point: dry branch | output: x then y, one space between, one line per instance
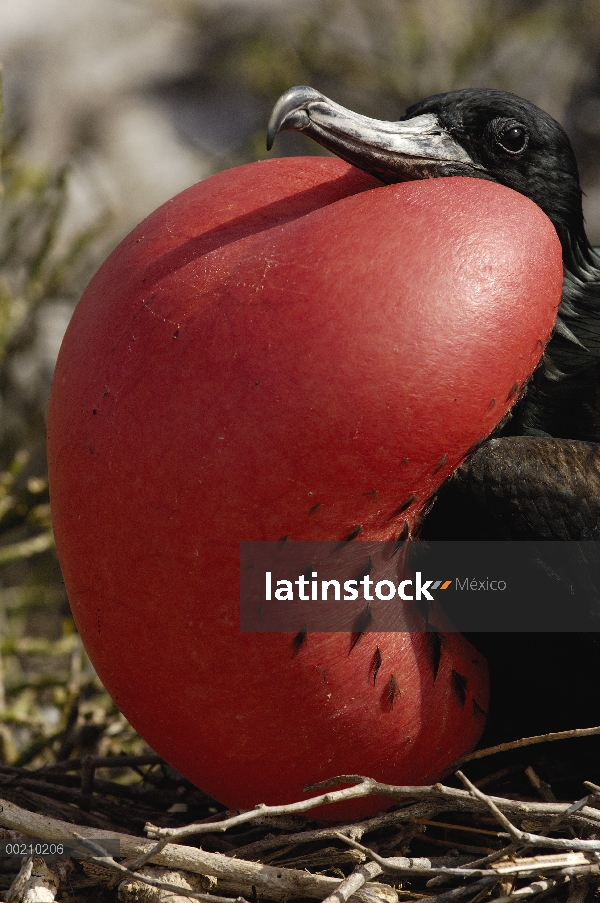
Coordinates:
442 797
577 733
235 876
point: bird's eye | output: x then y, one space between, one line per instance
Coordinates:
513 139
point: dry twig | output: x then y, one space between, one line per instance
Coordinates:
235 876
577 733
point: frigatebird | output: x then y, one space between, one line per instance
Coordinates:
538 476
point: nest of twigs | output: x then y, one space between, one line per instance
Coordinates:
139 832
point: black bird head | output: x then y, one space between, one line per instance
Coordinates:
484 134
480 133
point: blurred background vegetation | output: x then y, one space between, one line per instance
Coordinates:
114 105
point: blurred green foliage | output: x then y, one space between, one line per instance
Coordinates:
51 703
38 264
379 56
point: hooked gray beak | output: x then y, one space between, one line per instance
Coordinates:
416 148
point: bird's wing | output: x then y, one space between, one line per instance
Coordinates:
536 489
524 488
